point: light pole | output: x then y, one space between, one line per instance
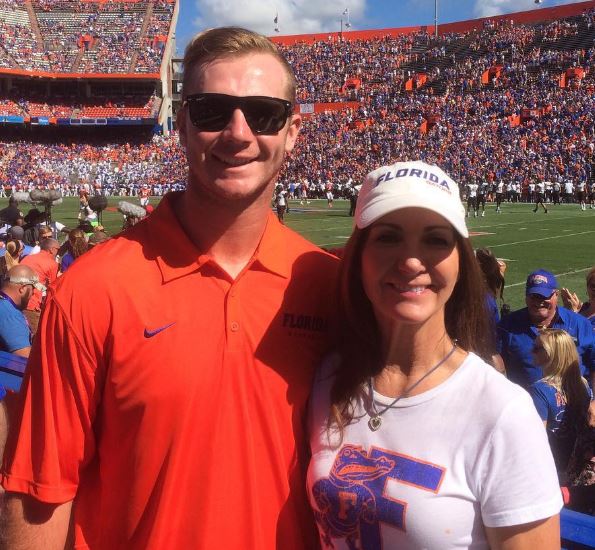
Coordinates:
347 23
436 18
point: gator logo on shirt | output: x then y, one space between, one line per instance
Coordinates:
351 503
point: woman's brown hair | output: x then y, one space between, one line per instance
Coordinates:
359 342
491 271
77 243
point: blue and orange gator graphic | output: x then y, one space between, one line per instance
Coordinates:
351 501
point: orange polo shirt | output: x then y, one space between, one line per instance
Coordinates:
169 399
46 267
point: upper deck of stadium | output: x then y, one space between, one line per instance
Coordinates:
81 38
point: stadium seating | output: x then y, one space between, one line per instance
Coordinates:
501 101
84 37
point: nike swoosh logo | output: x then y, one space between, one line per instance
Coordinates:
151 333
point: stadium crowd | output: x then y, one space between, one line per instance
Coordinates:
472 129
522 124
85 37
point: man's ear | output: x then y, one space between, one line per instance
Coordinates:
295 123
181 124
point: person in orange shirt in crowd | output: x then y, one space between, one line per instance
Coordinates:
46 267
165 400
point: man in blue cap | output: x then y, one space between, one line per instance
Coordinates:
517 331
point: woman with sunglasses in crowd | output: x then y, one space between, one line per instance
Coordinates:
572 301
416 441
562 396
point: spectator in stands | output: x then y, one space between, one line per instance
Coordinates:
17 233
394 403
493 276
16 290
11 213
97 238
33 220
562 396
46 267
518 331
572 301
213 261
77 246
12 255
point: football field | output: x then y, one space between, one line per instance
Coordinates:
562 241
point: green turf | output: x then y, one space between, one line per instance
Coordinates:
561 241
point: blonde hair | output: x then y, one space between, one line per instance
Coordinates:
13 252
225 42
562 367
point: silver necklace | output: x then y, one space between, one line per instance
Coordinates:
376 417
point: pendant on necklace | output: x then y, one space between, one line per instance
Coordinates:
374 423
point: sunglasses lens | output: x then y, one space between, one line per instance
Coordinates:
212 112
209 113
265 116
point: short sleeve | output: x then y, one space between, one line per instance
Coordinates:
54 439
519 484
539 400
14 332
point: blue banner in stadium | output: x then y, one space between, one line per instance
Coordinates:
10 119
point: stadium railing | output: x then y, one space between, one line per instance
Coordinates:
577 530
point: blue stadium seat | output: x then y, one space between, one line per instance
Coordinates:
12 368
577 530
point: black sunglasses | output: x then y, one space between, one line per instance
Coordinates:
212 112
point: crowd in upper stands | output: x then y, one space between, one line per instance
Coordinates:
83 37
471 129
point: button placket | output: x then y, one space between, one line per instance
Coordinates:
233 324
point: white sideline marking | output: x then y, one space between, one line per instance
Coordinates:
544 239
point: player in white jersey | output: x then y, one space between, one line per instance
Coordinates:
581 193
592 195
499 196
540 196
482 192
531 192
556 189
472 189
568 191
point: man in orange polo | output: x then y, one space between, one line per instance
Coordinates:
46 267
167 390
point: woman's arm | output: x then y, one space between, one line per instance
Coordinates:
544 534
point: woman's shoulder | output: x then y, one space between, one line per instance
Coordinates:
491 388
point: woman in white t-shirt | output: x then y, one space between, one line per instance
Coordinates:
416 441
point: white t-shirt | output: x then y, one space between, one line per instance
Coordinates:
467 453
472 188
